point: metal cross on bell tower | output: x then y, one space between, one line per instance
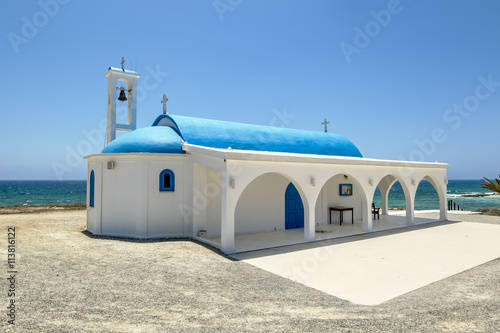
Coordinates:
326 122
164 102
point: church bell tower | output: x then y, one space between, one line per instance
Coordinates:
125 94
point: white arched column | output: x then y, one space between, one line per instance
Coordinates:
309 224
410 202
385 201
228 207
443 205
410 211
441 189
309 193
384 186
366 206
367 217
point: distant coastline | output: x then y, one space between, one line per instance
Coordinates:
26 209
479 195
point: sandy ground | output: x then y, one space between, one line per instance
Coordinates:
68 281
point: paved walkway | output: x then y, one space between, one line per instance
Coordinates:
373 268
270 239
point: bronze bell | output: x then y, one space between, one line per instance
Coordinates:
122 96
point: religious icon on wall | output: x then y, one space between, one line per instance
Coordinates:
345 189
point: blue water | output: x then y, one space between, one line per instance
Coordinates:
39 193
427 197
42 192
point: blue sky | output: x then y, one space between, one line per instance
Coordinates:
404 80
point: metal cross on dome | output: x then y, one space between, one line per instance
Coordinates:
326 122
164 102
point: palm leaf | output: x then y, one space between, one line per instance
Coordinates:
490 184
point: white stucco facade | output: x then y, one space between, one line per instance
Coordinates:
181 178
226 192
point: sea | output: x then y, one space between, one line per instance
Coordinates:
46 192
461 192
42 192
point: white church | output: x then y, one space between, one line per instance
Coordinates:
232 184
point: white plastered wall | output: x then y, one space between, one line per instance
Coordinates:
128 202
164 215
94 213
261 207
120 205
206 200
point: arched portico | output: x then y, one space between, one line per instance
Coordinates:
262 204
441 191
255 202
384 185
244 184
330 195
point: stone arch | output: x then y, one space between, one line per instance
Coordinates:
385 184
243 183
260 204
329 196
440 188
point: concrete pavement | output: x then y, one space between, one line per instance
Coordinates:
371 269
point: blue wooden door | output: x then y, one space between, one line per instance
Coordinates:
294 209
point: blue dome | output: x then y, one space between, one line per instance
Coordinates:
224 134
147 140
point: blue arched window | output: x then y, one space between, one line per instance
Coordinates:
91 186
167 180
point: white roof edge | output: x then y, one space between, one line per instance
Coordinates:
124 71
302 158
264 156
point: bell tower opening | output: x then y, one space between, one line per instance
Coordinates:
122 87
